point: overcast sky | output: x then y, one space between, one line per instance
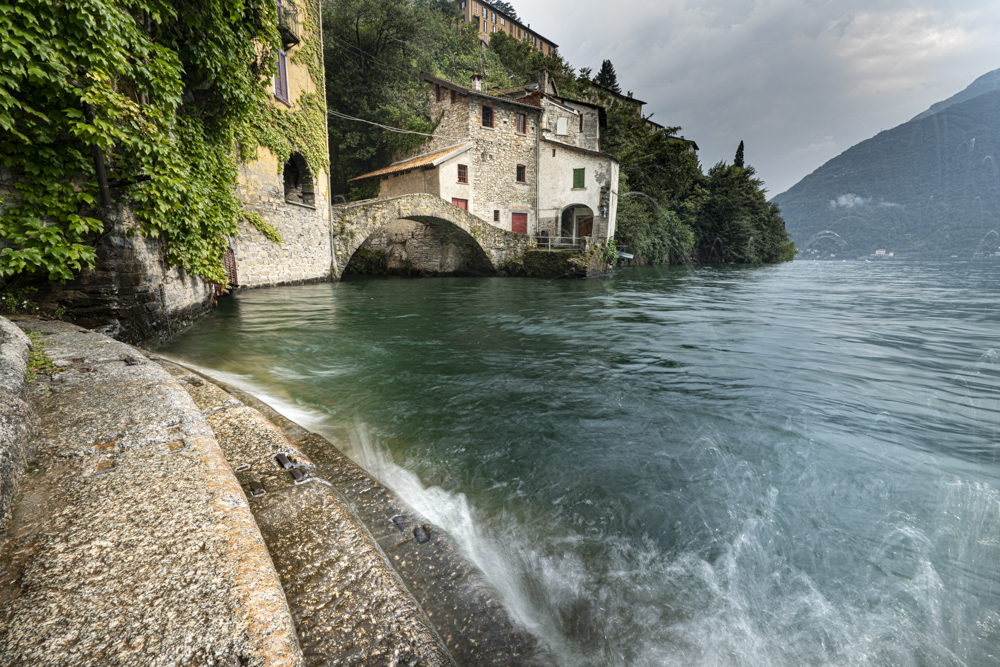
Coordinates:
799 81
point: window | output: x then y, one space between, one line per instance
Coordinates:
463 5
581 121
487 116
502 21
521 170
494 18
454 98
281 78
521 127
561 126
463 173
437 91
496 215
578 178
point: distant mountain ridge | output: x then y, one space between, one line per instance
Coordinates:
929 187
984 84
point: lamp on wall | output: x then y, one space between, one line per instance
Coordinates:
604 211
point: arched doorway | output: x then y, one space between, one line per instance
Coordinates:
298 181
576 223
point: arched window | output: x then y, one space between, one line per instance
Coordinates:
298 181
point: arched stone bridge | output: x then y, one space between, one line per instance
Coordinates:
488 248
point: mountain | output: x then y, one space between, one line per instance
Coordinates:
929 187
984 84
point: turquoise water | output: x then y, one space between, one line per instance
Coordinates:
788 465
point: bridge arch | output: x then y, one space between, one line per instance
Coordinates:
489 247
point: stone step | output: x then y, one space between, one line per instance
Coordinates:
132 542
466 611
350 605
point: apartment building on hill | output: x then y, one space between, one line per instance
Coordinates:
491 20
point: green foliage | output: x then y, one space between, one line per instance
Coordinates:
611 251
608 78
14 301
738 160
39 362
929 187
523 61
374 53
179 89
506 8
736 223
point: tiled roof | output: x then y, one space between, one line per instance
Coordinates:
427 159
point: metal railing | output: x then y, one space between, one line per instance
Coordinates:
546 242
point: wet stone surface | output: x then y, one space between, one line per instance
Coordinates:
452 594
125 547
349 604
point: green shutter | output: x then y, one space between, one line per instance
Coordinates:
578 178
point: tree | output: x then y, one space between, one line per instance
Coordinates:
608 78
736 223
506 8
374 53
738 160
523 62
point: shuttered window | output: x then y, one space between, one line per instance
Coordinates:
578 178
281 79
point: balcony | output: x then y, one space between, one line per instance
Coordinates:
288 24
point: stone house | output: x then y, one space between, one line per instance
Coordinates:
524 159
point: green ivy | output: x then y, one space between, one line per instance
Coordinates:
180 91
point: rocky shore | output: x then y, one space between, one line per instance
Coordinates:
154 517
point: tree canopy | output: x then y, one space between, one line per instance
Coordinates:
506 8
608 78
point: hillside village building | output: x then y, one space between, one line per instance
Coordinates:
524 159
491 20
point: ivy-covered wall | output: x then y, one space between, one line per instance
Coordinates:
172 100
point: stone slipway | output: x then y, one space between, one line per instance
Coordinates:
137 539
132 542
463 609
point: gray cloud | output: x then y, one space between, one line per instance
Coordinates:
798 81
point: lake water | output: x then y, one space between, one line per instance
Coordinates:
785 465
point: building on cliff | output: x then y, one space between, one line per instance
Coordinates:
489 20
524 159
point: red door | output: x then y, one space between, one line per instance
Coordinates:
461 203
519 223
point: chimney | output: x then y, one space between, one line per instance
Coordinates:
543 80
630 94
477 82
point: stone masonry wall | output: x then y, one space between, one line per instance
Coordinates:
354 223
493 162
407 247
130 294
305 255
493 159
